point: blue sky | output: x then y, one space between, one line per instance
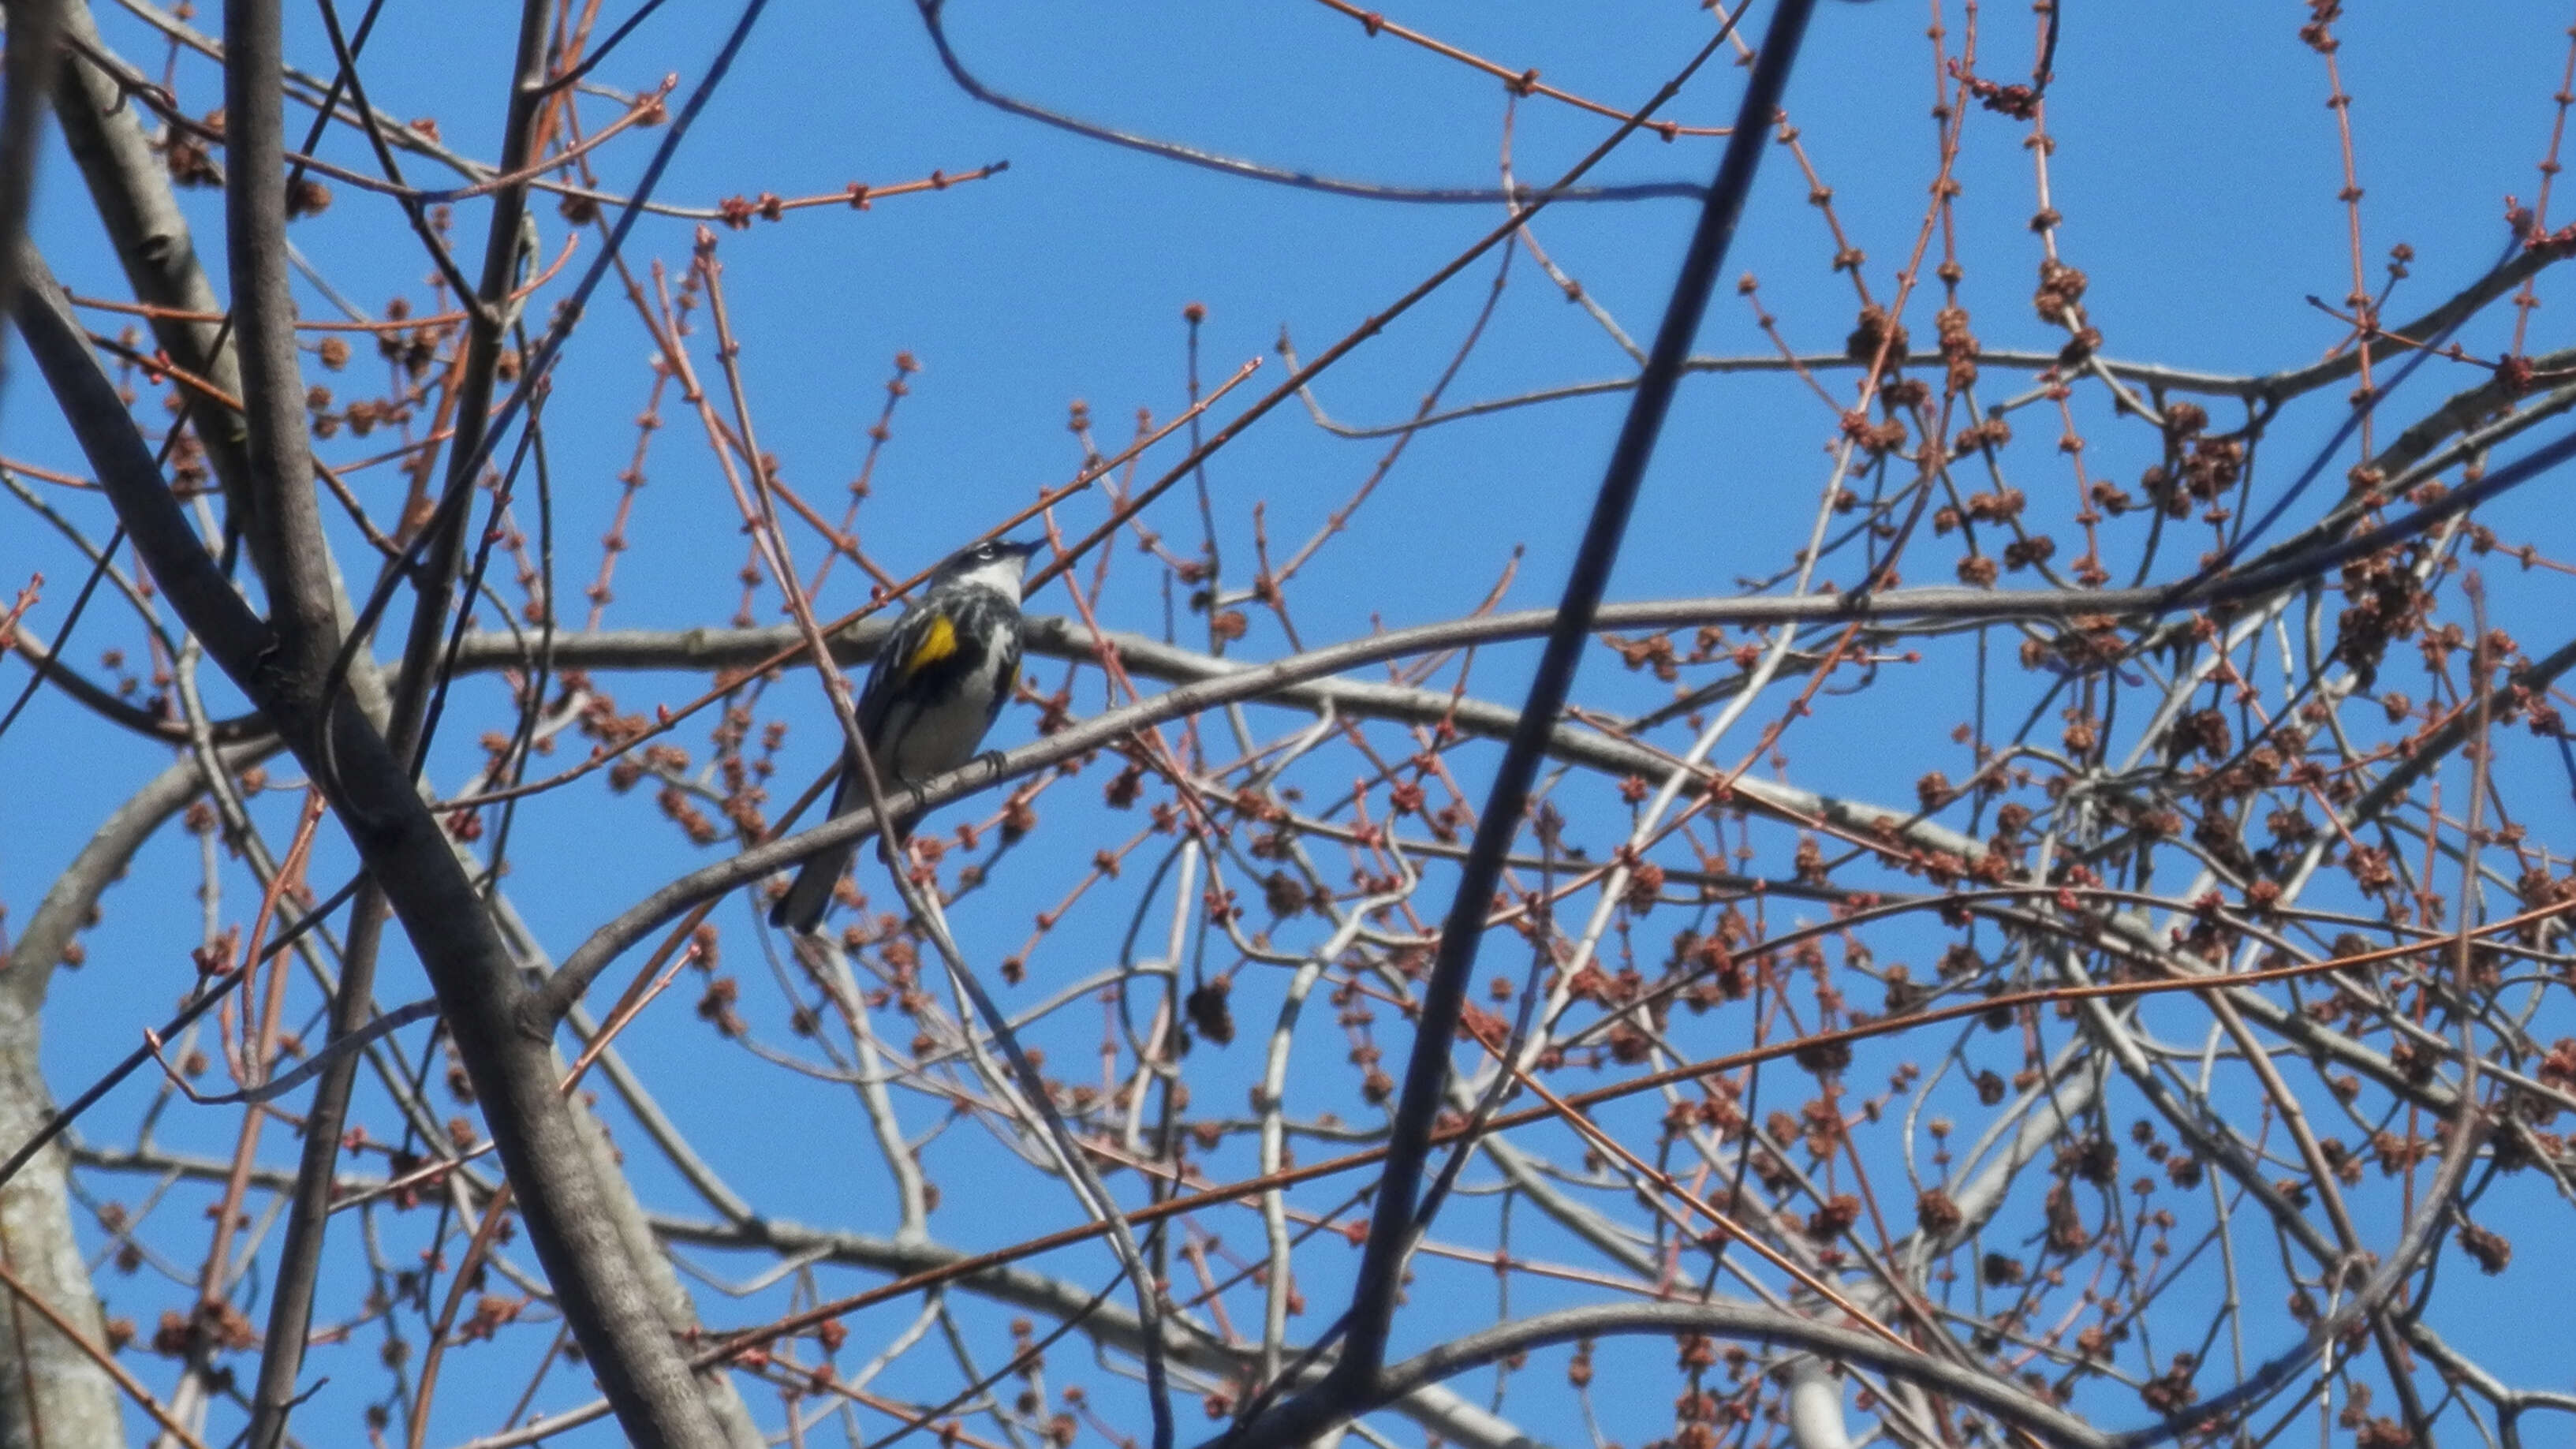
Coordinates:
2197 170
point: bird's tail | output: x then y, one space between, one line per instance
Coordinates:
809 896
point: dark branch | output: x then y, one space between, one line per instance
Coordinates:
1254 171
285 525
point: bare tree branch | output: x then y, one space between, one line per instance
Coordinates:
598 1283
1392 1212
933 19
34 34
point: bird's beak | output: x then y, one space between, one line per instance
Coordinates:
1023 552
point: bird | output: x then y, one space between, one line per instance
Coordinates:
947 666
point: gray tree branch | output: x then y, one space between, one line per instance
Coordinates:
601 1288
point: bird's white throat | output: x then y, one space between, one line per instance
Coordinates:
1002 576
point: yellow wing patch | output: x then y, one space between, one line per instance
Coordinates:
938 641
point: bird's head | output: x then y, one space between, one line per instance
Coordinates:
995 563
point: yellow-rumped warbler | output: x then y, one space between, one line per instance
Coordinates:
947 666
